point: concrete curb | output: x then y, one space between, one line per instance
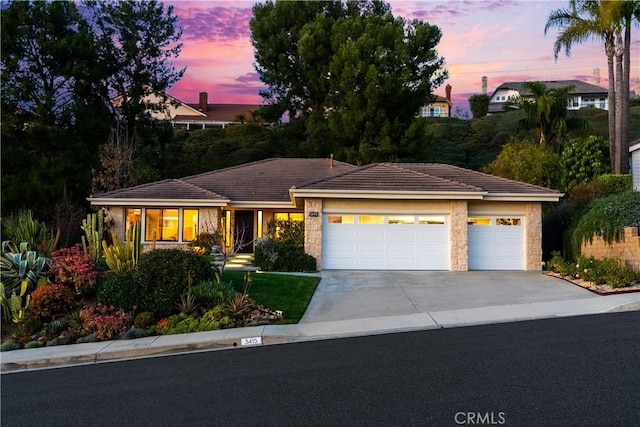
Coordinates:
108 351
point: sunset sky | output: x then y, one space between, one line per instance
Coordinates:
501 39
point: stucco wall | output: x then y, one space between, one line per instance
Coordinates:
626 250
313 229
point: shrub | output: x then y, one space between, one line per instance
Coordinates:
615 274
213 292
73 267
206 241
22 227
34 344
18 264
120 290
608 217
107 322
9 346
557 264
582 159
144 320
134 333
163 275
49 300
271 255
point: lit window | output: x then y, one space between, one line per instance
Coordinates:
289 216
161 225
189 224
508 221
132 216
401 219
436 111
370 219
479 221
431 220
259 224
340 219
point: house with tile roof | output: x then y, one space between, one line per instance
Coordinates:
583 95
198 115
392 216
441 107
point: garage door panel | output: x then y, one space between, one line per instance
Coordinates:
386 246
493 247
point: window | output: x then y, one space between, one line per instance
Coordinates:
430 220
424 111
575 101
370 219
508 221
340 219
131 216
259 224
436 111
189 224
479 221
401 219
589 102
602 105
289 216
161 225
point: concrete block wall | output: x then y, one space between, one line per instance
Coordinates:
627 249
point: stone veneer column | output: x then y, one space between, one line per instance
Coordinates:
533 236
458 236
313 230
115 215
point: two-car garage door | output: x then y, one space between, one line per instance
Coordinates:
389 242
419 242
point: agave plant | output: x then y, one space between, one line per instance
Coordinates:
18 264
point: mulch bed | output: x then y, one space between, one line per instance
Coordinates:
598 289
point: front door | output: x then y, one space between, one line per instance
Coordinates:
243 232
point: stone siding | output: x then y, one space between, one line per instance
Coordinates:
533 237
458 231
627 249
313 230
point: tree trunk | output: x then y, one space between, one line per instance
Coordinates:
619 105
624 143
611 100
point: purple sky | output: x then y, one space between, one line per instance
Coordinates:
501 39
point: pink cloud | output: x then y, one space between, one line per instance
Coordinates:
214 24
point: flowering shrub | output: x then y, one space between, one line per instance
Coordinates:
49 300
106 321
73 267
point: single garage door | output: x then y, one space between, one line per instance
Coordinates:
385 242
496 243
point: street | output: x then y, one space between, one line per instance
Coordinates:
568 371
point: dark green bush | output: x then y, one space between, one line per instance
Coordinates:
615 184
213 292
121 291
557 264
274 256
608 217
144 320
163 275
615 274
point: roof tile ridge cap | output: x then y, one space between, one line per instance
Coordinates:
434 176
199 188
229 168
143 185
540 187
350 171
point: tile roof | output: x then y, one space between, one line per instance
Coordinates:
167 189
220 112
580 87
389 177
266 180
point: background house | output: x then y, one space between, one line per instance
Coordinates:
584 95
441 107
634 156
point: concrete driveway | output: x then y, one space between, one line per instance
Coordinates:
345 295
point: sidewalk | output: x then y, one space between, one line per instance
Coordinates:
101 352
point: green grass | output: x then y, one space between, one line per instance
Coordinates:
286 292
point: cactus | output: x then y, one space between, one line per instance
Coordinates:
19 311
124 256
93 227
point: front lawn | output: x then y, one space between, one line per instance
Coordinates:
286 292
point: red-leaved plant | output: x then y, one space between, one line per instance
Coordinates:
106 321
49 300
73 267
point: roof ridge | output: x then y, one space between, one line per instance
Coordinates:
200 188
143 185
397 165
228 168
358 168
539 187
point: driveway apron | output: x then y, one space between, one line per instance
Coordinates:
347 294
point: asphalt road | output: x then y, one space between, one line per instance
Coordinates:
565 372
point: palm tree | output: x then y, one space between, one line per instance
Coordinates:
546 111
607 21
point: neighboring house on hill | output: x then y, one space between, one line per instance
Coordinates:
634 157
441 107
392 216
583 95
199 115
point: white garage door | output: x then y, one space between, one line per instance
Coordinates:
385 242
496 243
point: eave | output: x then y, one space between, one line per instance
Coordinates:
385 195
527 197
99 201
